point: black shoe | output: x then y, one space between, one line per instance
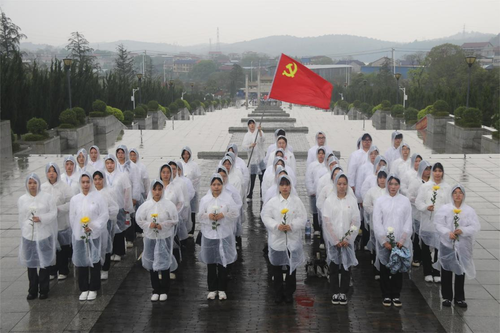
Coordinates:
43 296
461 304
387 302
446 303
278 299
30 297
289 299
397 302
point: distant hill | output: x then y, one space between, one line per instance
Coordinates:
336 46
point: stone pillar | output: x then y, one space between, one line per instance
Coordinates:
258 88
246 91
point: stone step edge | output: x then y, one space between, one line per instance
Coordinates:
271 120
271 129
217 155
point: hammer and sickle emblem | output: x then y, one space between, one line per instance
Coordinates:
292 68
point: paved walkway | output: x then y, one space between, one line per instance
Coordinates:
250 303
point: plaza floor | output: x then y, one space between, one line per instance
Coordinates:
123 303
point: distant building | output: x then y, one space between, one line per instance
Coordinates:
183 66
355 64
402 66
480 50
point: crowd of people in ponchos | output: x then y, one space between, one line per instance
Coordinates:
397 205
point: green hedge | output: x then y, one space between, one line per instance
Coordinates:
153 106
139 112
34 137
65 126
80 115
343 105
440 109
128 117
37 126
97 114
68 116
99 105
410 116
468 118
422 113
397 111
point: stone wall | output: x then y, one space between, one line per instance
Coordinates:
489 145
104 125
352 114
183 114
437 125
145 123
464 137
393 123
159 119
50 146
76 138
6 140
379 119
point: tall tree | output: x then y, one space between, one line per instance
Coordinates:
124 67
237 79
79 48
10 35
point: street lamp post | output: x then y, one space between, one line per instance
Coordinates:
67 66
192 86
397 76
470 61
139 76
364 91
171 85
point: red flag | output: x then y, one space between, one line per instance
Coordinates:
295 83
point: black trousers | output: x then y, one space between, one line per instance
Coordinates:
290 281
38 279
447 285
160 286
193 218
390 284
417 251
107 262
95 278
374 258
62 261
316 226
339 286
217 277
252 184
119 244
427 260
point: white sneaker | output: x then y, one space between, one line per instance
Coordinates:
83 296
437 279
322 246
116 257
130 244
172 276
377 277
155 298
428 278
104 275
317 233
211 295
222 295
163 297
139 235
92 295
52 277
190 235
62 277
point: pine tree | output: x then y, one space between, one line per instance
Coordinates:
10 35
79 48
124 63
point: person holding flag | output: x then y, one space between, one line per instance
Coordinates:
253 143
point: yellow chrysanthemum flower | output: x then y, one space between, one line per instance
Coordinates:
154 215
435 187
457 211
85 220
284 211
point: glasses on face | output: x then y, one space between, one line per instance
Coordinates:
321 137
367 140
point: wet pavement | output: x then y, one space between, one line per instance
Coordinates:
123 303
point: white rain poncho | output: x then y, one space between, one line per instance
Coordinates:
427 232
368 203
238 228
289 157
456 256
412 193
72 180
133 173
401 165
330 163
371 179
285 248
392 153
189 183
272 147
340 216
356 159
218 244
110 197
270 175
366 170
240 164
86 166
328 189
143 172
61 194
173 193
88 251
185 213
314 171
392 212
192 171
410 174
271 191
158 244
257 163
235 177
38 239
312 153
98 164
120 184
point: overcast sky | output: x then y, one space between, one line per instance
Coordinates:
190 22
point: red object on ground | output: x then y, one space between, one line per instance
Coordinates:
421 124
295 83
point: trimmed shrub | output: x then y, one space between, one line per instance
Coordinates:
356 104
117 113
343 105
166 111
33 137
162 108
397 111
440 109
68 116
63 126
97 114
386 105
410 115
128 117
37 126
99 105
468 118
422 113
139 112
153 106
366 109
80 115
